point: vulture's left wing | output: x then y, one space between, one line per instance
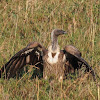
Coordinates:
75 61
31 55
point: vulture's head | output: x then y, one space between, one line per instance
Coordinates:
57 32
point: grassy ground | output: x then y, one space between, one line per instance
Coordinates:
23 21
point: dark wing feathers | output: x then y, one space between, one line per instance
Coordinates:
32 55
29 48
29 55
73 57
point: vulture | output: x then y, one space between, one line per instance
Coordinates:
52 62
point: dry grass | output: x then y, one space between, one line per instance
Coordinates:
23 21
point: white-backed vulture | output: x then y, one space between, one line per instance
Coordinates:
53 62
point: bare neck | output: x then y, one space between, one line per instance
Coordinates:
54 41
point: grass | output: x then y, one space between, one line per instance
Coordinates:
23 21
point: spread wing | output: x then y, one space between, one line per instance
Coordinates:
31 55
75 61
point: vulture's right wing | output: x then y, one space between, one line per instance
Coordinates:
31 55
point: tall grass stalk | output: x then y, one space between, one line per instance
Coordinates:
98 92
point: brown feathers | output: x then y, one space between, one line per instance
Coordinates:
53 54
